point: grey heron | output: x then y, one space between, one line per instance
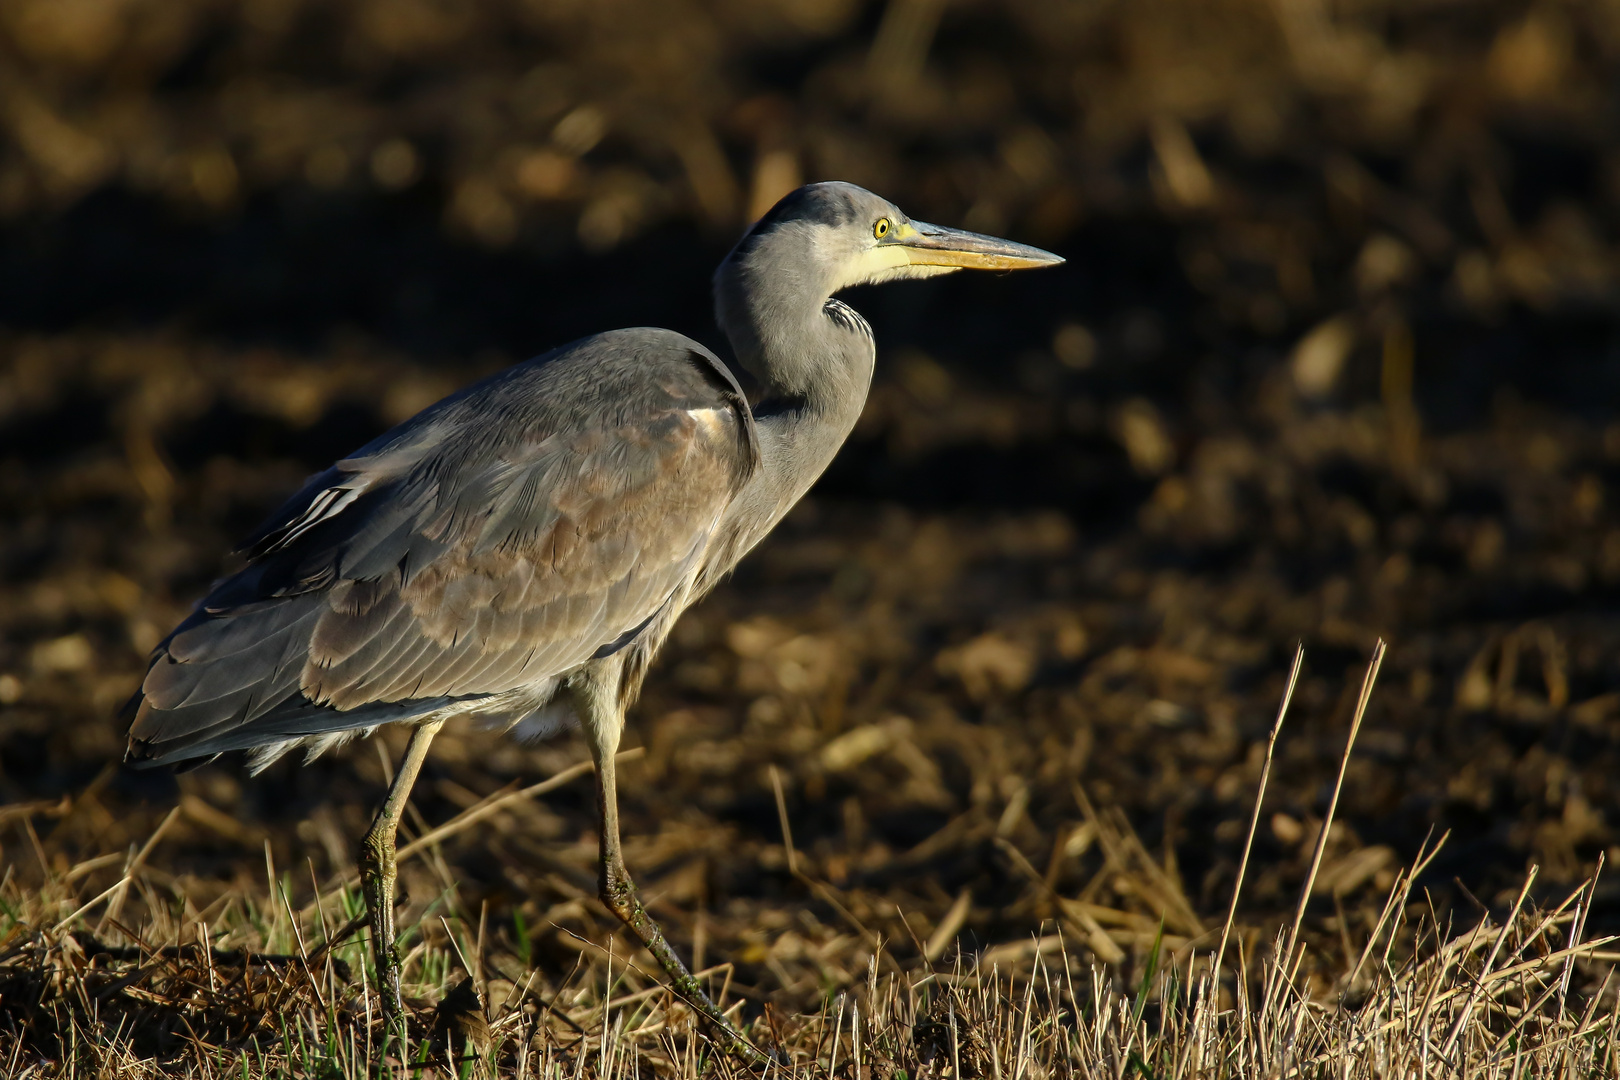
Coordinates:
518 552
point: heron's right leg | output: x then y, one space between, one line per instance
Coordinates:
603 721
618 892
378 871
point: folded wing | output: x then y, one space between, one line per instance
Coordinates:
498 540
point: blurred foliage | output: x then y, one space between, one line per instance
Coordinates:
999 113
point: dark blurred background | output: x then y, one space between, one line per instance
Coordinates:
1334 357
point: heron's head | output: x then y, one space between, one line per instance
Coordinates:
824 238
831 236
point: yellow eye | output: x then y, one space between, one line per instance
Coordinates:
881 229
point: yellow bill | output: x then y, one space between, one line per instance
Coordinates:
935 245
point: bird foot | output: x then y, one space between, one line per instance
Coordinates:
620 898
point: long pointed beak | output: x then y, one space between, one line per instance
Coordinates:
935 245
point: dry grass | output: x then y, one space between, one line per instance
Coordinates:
253 986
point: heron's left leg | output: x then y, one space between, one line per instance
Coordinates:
603 721
378 871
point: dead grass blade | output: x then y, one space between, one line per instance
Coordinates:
1259 799
1333 805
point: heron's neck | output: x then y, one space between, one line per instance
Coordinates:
807 421
816 370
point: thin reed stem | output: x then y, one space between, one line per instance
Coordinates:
1259 798
1287 966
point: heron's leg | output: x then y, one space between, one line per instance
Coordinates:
618 892
603 719
378 871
